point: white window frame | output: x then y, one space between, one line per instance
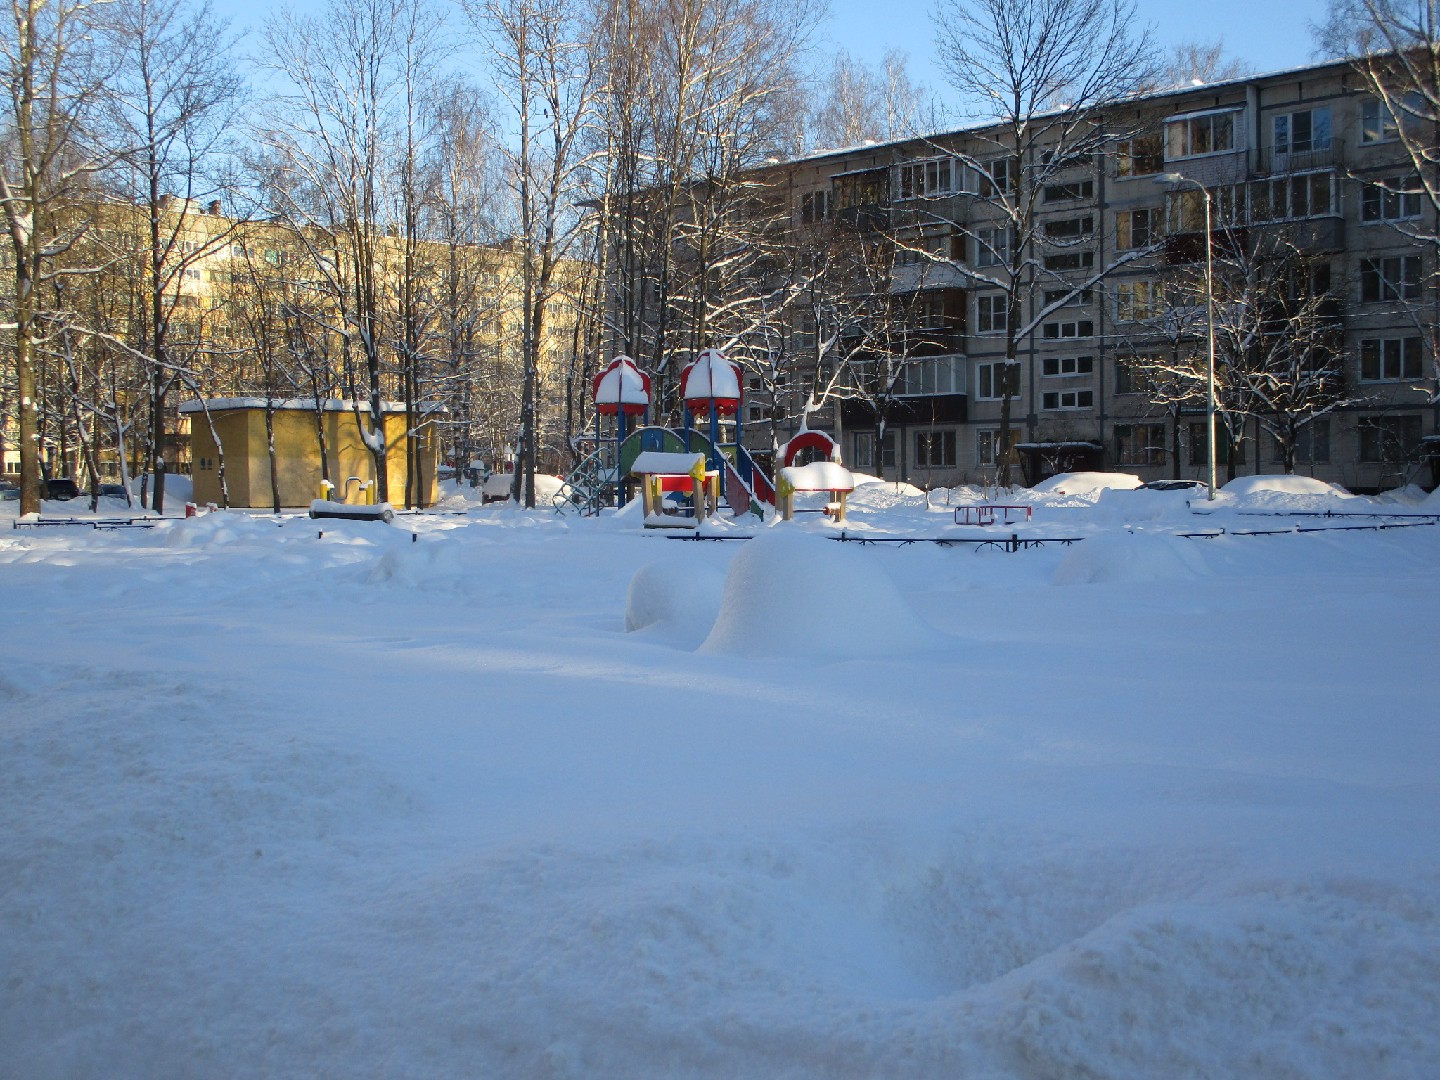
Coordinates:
992 313
990 378
1066 366
1282 129
1068 329
1179 148
1392 359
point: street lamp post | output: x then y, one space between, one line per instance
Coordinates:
1174 180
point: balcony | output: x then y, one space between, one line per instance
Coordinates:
1272 162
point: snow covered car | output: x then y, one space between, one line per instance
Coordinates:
1175 485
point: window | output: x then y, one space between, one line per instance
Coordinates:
991 380
1067 365
1068 192
1293 197
1390 359
1397 199
1067 399
942 375
862 449
1070 328
1071 260
1069 228
997 179
1378 120
1138 228
1388 439
1199 446
1302 132
992 246
1205 133
1132 374
1390 279
1187 208
815 207
1312 442
988 446
925 179
1069 297
992 313
1140 156
1139 300
935 449
1140 444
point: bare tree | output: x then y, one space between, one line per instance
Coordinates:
545 69
858 104
1192 63
1045 77
54 81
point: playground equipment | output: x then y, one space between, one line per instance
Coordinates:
661 473
711 387
622 390
828 476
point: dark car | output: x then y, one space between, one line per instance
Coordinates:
1175 485
59 488
112 491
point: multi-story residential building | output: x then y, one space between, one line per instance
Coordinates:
1304 154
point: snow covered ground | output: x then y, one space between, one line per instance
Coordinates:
506 794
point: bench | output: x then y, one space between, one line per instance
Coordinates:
987 513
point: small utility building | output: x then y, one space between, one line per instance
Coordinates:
239 426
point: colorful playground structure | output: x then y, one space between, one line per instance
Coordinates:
659 461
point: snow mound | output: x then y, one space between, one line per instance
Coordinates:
785 593
1288 485
1085 483
1130 556
675 599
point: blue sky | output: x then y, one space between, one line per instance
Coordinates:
1269 34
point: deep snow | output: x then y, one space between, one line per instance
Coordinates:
509 794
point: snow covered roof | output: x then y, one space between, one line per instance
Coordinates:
712 376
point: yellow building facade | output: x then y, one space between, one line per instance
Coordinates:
243 446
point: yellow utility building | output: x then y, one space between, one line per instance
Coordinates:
243 446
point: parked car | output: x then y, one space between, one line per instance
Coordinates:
1175 485
114 491
9 492
59 488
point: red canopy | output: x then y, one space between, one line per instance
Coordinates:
622 386
710 378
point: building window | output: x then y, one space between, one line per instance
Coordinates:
1141 156
1140 444
1199 446
1193 136
1312 443
1302 132
815 207
925 179
1390 359
942 375
991 380
1053 366
862 449
935 449
1293 197
1136 301
1067 229
1070 260
1138 228
1052 400
1069 328
988 444
992 246
1391 279
992 313
1069 297
1068 192
997 179
1377 124
1388 440
1397 199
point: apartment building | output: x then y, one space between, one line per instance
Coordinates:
1305 152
